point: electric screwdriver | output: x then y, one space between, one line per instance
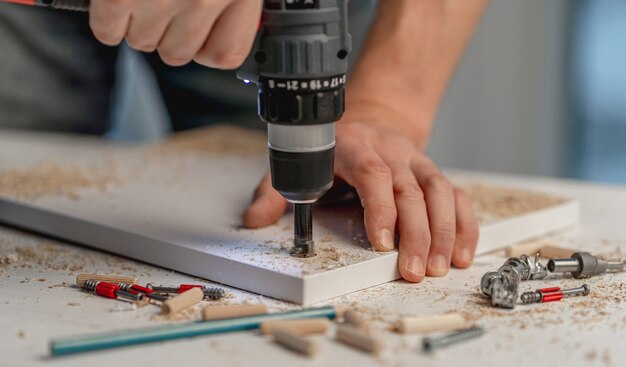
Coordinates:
298 62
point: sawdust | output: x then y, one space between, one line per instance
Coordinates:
45 255
493 203
221 139
52 179
9 259
591 356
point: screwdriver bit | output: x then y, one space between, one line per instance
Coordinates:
303 231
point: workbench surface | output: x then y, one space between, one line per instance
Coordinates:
38 302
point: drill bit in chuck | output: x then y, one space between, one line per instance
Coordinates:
303 231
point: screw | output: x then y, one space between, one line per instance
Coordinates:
213 293
430 344
553 294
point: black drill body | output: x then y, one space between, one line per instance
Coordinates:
299 62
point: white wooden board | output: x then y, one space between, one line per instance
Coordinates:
179 207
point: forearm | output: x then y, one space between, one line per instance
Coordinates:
408 60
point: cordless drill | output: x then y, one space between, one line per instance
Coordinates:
299 61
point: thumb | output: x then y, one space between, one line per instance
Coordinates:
267 206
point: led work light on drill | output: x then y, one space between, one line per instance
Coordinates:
299 61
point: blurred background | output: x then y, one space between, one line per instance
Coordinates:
541 90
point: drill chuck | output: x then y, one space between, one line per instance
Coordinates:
301 160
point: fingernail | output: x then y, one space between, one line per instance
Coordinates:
438 265
465 255
415 265
386 240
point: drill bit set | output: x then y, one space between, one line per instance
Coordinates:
124 288
502 285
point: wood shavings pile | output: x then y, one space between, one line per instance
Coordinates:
51 179
493 203
21 251
9 259
221 139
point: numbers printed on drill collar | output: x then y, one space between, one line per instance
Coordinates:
307 84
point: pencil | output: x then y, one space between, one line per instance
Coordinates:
80 344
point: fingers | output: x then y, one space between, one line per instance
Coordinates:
147 26
466 231
412 225
361 167
232 36
440 202
218 34
413 228
267 206
188 32
109 20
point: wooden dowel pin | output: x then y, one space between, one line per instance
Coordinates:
294 341
300 327
353 318
225 312
183 301
82 278
429 324
555 252
354 337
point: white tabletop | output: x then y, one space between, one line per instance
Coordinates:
38 302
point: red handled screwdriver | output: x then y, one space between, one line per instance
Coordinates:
553 294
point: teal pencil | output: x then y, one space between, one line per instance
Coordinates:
152 334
